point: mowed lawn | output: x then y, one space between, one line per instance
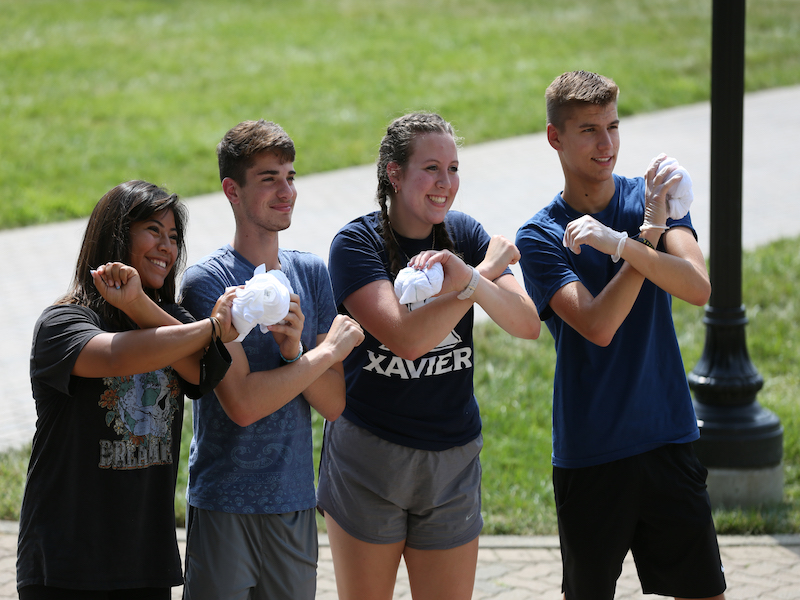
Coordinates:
95 92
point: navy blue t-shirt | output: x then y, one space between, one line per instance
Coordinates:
631 396
426 403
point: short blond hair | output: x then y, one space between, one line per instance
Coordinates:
576 88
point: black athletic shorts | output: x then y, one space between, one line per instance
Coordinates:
41 592
654 504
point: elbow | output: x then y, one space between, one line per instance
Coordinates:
332 404
408 348
333 408
411 352
697 295
702 294
530 330
699 300
333 413
601 340
240 418
527 330
696 289
600 336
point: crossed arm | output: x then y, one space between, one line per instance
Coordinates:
411 334
247 396
161 340
680 271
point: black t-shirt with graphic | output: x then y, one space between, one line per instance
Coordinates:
98 510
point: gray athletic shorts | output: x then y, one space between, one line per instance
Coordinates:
380 492
241 557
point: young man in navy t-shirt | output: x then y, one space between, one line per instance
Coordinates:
602 262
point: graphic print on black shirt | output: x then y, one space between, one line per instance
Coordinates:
141 409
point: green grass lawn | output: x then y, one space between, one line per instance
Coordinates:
95 92
514 385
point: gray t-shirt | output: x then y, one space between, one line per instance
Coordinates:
267 467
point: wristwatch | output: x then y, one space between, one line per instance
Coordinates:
473 283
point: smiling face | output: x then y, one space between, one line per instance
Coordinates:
426 187
588 143
266 200
154 248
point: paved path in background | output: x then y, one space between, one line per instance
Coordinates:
529 568
502 184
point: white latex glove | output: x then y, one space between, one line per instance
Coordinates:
263 301
655 203
679 197
415 285
588 230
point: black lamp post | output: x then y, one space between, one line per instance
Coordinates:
741 443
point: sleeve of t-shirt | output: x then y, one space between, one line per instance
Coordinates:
470 238
685 221
545 269
326 307
59 337
355 261
200 290
178 312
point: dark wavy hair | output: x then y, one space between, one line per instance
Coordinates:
397 146
108 239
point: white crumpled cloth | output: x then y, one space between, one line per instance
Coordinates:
417 285
680 198
263 301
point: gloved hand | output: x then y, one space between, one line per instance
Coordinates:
659 179
588 230
679 197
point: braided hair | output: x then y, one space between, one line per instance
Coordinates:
397 146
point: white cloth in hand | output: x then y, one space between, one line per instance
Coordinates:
415 285
263 301
680 197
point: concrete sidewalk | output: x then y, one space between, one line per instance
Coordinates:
529 568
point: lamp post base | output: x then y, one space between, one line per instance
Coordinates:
745 488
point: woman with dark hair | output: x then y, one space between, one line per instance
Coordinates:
110 363
400 471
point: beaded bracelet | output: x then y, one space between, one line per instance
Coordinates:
289 361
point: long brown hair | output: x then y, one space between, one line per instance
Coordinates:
108 239
397 146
